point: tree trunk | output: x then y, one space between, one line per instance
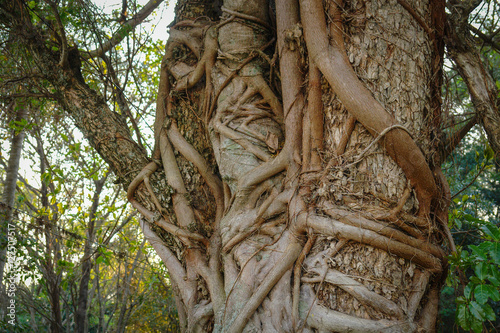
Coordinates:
9 194
322 170
83 290
52 255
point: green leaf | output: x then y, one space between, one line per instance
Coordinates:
494 275
494 251
65 264
480 252
490 314
468 290
491 230
477 326
484 291
471 218
463 316
477 310
475 279
489 153
481 270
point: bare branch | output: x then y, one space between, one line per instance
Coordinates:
126 27
487 39
454 139
62 33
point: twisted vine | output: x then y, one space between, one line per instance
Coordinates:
264 143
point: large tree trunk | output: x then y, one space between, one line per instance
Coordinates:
308 188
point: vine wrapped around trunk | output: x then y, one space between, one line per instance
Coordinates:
301 228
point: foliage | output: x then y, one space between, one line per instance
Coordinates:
474 217
59 184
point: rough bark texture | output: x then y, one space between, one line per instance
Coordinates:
355 209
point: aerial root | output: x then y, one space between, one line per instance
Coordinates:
442 206
324 255
185 75
200 315
193 156
358 100
206 62
176 270
190 38
184 235
360 233
255 195
312 142
260 86
357 290
418 290
289 256
324 319
273 205
264 171
404 198
429 313
296 279
361 222
241 140
152 193
235 73
344 140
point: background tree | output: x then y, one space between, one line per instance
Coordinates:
82 265
295 183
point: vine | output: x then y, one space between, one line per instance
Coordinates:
265 143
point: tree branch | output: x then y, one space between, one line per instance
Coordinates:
487 39
481 86
454 139
126 27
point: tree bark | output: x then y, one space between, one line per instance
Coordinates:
9 192
358 210
480 84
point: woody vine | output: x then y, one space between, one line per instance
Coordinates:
265 129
